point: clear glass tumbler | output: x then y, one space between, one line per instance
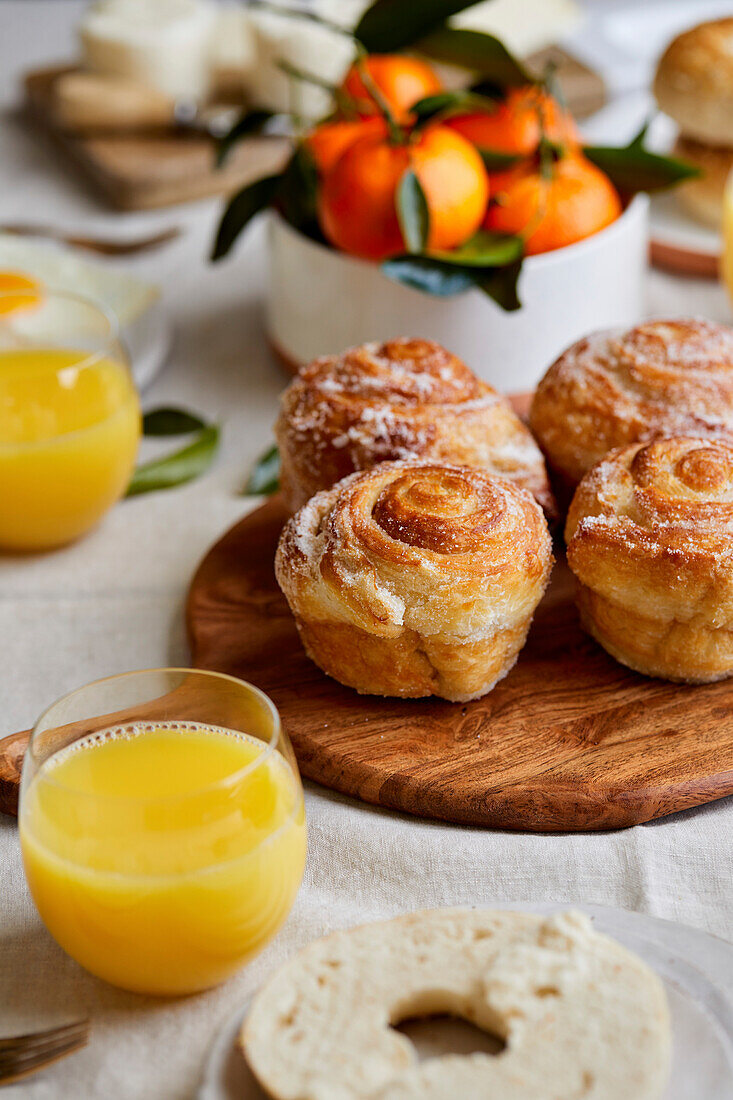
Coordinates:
162 827
69 417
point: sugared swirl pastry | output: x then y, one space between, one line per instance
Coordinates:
611 389
415 578
650 540
397 400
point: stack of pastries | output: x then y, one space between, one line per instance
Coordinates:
694 86
419 549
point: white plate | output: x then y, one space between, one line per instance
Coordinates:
148 340
669 223
697 970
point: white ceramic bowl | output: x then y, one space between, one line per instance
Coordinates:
321 301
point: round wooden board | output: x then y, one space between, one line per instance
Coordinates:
570 740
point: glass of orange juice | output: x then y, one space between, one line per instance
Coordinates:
162 827
69 417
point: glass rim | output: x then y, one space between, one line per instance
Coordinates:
112 337
228 780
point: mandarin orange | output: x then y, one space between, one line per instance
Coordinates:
357 200
328 141
517 123
401 80
575 201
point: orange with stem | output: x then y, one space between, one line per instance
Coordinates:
400 81
328 141
518 123
357 204
552 206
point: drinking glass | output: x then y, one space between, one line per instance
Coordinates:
162 826
69 417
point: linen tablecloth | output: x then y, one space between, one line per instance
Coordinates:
114 602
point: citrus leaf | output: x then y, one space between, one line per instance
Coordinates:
252 122
495 161
240 210
633 168
412 212
484 249
501 285
463 99
171 421
299 188
428 275
264 480
389 25
481 53
177 468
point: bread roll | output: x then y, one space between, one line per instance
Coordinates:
702 196
396 400
650 540
694 82
610 389
416 579
581 1017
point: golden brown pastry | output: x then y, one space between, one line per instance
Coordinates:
610 389
702 196
694 82
401 399
650 540
415 578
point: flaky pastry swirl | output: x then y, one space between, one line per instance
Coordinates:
392 401
650 539
416 578
609 390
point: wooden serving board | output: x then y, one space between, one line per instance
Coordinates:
140 172
570 740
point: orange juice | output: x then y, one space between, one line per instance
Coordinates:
162 856
69 431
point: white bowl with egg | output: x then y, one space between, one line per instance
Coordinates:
321 301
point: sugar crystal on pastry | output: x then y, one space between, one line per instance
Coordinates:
650 540
398 400
610 389
415 578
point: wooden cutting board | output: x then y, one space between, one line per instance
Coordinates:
570 740
140 172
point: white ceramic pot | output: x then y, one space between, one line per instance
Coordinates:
321 301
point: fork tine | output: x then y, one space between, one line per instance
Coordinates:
47 1051
32 1038
31 1062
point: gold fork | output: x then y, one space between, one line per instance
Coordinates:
24 1054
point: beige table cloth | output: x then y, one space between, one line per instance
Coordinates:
115 602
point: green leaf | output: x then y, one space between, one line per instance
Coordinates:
484 249
481 53
264 480
389 25
633 168
240 210
428 275
177 468
171 421
638 141
433 275
299 189
463 99
252 122
498 162
412 212
501 285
